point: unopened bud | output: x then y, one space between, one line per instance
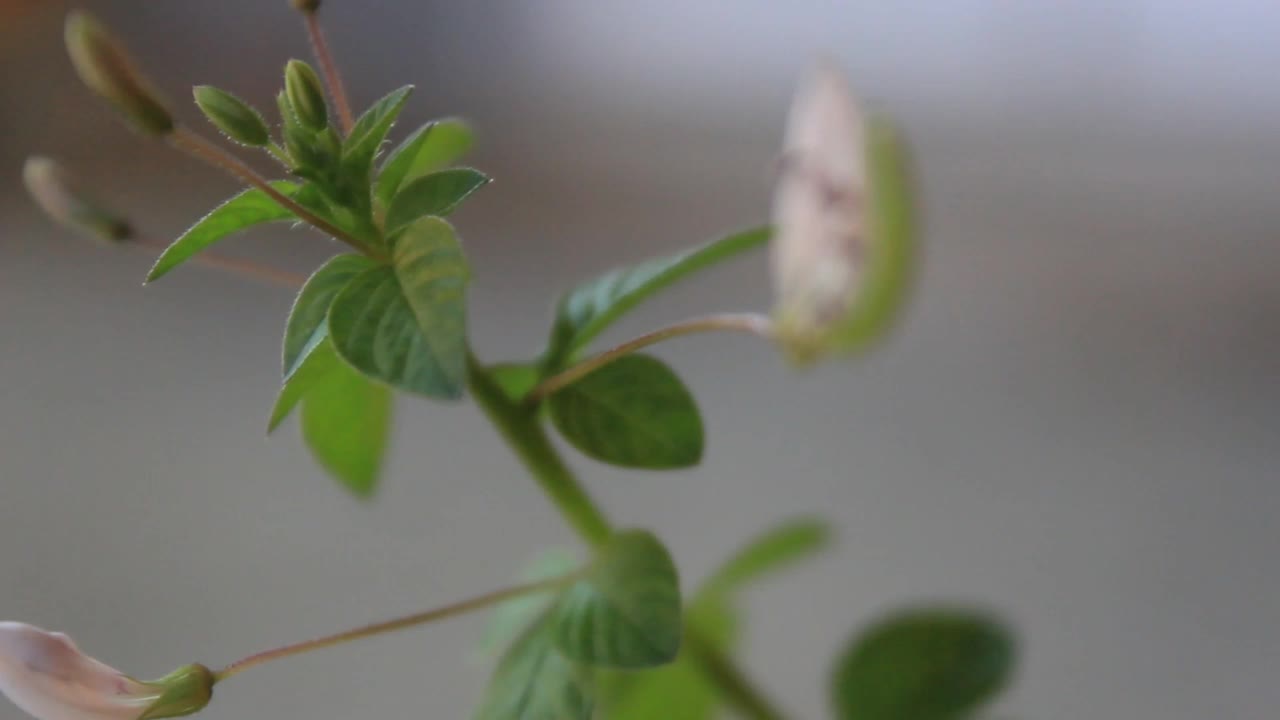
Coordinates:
306 95
307 6
232 115
45 674
842 247
105 66
58 196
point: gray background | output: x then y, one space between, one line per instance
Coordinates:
1077 424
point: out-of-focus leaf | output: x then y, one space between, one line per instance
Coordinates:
775 549
625 612
511 617
346 419
534 681
923 664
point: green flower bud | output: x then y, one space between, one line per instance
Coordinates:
232 115
306 95
306 6
105 66
55 193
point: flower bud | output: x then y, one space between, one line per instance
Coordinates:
842 246
55 193
306 6
306 95
46 675
105 66
232 116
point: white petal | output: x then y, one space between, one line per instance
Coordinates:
45 674
818 206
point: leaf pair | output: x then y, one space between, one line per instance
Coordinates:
635 411
359 328
624 612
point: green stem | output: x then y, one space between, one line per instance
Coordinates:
520 427
452 610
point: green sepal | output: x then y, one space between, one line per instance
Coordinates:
184 691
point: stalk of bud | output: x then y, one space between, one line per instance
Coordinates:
58 196
306 6
105 66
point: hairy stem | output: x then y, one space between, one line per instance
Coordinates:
202 149
741 322
329 69
452 610
519 425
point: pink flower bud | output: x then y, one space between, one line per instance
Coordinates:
45 674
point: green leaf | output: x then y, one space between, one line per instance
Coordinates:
534 681
346 420
311 370
625 612
306 326
431 147
590 308
784 545
515 379
511 617
362 143
249 208
406 324
633 412
923 664
680 690
437 193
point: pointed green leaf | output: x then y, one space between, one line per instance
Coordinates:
346 419
513 616
311 370
534 681
249 208
625 612
406 324
438 193
633 412
431 147
784 545
306 325
591 307
362 143
923 664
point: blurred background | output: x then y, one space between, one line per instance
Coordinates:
1076 426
